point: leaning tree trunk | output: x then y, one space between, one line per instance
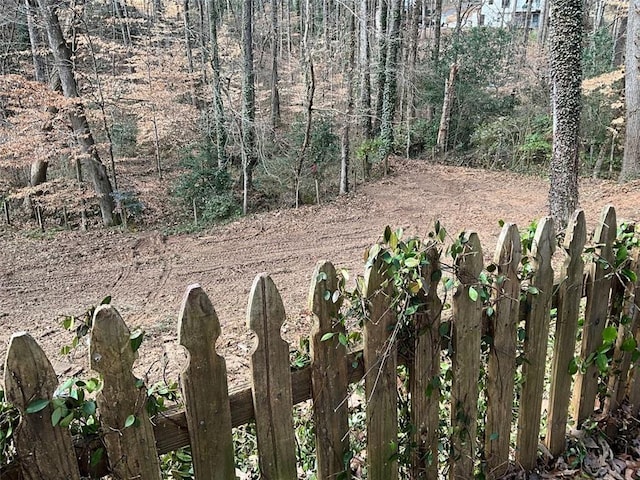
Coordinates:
566 79
631 160
447 106
96 170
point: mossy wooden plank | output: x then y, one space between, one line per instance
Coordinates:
131 448
204 388
45 452
569 296
596 313
271 376
466 333
502 354
329 374
380 365
535 344
424 370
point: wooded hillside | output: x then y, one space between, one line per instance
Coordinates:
189 112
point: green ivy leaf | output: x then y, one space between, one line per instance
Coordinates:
629 344
412 262
37 405
573 366
473 294
327 336
106 300
131 419
609 335
602 362
136 339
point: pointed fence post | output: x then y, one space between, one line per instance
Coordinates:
502 355
45 452
380 365
272 394
466 333
131 448
596 313
535 344
329 374
424 372
569 296
204 387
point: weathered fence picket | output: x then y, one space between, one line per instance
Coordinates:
329 374
596 313
424 371
271 379
538 308
380 364
45 451
131 445
502 354
209 412
569 296
466 333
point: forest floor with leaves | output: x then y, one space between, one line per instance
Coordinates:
47 276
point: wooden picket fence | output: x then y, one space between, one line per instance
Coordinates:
47 452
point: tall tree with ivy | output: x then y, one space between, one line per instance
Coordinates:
631 160
565 51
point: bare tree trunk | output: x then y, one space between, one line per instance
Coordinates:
39 66
62 56
631 160
447 105
218 105
619 39
275 94
543 31
310 82
351 47
249 158
566 79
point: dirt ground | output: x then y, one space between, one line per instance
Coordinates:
146 273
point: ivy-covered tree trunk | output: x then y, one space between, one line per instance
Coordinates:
631 160
381 77
389 96
95 169
249 158
365 75
566 98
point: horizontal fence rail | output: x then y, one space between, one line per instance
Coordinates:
512 430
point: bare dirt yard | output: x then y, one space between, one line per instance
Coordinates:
44 278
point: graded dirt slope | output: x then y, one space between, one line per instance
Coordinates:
146 273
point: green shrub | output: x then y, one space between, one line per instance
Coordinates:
205 188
